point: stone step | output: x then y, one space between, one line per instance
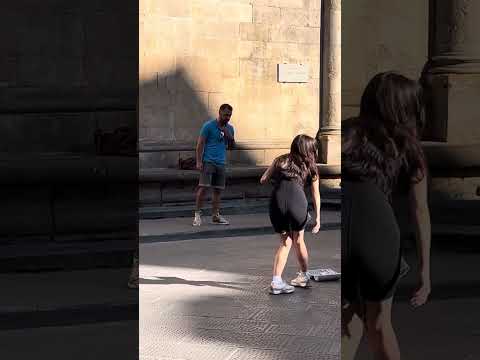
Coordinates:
168 186
230 207
66 298
76 253
175 229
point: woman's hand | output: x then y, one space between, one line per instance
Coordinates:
316 227
420 296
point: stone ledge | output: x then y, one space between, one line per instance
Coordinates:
453 160
165 175
146 145
66 168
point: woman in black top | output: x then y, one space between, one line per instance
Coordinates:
288 207
381 154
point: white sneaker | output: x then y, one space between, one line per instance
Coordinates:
197 220
219 220
302 280
283 288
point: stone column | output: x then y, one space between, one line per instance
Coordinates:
330 117
452 73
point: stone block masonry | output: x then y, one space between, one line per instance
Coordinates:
207 52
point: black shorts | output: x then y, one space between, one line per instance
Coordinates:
371 252
212 175
288 207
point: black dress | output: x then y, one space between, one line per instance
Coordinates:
288 208
372 261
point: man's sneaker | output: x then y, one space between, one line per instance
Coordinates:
219 220
282 288
302 280
197 220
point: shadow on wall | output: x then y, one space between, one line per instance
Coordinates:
69 97
171 112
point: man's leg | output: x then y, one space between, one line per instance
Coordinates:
217 193
204 183
216 217
218 184
197 220
199 197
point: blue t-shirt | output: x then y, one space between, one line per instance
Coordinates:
215 142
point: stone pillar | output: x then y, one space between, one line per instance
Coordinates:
330 118
452 73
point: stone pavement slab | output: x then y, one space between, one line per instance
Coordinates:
208 299
111 340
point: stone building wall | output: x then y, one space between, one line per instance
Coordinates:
67 70
197 54
379 35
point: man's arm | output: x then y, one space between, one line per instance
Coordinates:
230 137
199 152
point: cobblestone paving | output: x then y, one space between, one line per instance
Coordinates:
208 299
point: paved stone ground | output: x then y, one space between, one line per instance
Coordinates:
207 298
442 330
448 326
112 340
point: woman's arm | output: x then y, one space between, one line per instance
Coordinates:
268 173
421 217
315 187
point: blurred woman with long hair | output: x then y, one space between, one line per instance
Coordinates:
381 155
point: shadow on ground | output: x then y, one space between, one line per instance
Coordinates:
173 280
232 315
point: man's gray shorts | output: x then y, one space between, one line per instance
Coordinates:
212 175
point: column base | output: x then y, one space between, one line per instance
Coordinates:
329 147
453 111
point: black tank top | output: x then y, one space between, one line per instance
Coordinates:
284 170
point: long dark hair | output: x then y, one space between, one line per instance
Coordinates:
301 162
389 126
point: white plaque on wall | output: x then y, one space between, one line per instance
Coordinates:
292 73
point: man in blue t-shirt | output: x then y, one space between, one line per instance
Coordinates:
216 136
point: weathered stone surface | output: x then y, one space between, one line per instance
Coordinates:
246 157
26 211
177 8
281 3
68 132
235 12
463 111
295 34
295 17
255 32
266 15
386 48
455 188
224 51
251 49
272 154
